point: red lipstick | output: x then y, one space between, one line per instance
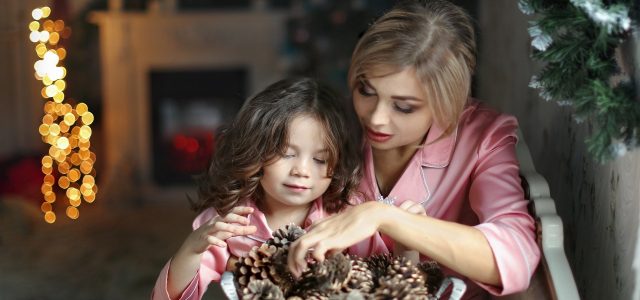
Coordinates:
378 137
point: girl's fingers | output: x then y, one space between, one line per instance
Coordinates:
216 241
233 228
213 220
223 235
241 210
235 218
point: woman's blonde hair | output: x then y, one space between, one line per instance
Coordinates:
437 39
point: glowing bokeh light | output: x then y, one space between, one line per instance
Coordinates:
34 26
50 217
73 212
46 11
65 128
36 14
45 207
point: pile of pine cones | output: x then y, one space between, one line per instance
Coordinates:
263 274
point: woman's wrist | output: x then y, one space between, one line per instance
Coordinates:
390 217
378 213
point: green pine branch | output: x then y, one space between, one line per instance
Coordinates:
579 66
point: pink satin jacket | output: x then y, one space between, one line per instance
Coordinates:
471 177
214 260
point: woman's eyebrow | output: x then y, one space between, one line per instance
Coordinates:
407 98
396 97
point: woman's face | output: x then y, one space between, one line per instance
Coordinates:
393 110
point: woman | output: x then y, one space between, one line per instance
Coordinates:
441 165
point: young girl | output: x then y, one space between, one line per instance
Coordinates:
286 158
433 149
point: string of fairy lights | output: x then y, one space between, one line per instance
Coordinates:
68 166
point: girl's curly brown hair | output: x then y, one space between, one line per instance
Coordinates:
259 134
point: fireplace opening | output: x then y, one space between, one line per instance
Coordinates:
187 107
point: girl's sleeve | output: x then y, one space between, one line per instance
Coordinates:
497 198
212 265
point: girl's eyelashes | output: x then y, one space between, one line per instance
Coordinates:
288 155
320 161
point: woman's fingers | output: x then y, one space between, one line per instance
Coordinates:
297 257
333 252
406 205
319 251
413 207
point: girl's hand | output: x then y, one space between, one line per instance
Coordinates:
218 229
334 234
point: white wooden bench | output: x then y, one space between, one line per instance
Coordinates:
553 278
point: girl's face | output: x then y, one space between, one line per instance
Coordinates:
300 176
393 110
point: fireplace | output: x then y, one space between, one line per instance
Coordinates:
187 108
142 55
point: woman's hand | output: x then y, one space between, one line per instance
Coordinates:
413 207
335 234
218 229
400 249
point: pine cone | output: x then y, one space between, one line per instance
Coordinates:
351 295
404 269
256 265
279 271
378 264
395 287
433 275
328 276
404 281
360 278
262 290
316 295
285 236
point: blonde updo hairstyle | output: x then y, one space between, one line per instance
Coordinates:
437 39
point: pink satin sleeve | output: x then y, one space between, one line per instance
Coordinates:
496 197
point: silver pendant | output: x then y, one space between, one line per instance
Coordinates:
390 200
